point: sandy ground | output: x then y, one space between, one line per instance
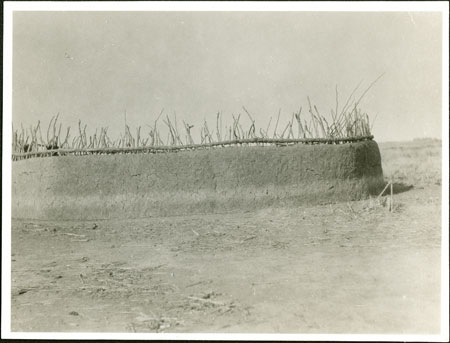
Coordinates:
340 268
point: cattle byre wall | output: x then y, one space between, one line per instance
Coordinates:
200 181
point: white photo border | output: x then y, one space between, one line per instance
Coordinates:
10 7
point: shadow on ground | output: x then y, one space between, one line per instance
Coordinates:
398 187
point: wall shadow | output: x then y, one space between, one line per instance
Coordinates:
398 187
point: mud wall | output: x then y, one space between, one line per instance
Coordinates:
201 181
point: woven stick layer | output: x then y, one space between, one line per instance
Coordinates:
171 148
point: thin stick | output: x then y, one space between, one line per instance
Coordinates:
217 127
337 104
392 198
48 130
251 131
348 99
368 88
282 134
276 125
384 189
176 129
270 121
221 126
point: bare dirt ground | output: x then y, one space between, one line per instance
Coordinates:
340 268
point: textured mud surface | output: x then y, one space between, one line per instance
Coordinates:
202 181
349 267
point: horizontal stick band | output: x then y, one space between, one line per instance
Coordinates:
155 149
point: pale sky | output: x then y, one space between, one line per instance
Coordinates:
94 66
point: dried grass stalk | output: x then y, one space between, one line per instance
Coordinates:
346 123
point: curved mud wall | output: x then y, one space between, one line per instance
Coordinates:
201 181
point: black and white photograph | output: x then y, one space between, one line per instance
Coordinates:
237 170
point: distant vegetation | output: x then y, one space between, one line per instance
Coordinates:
427 139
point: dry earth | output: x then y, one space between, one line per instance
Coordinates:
340 268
